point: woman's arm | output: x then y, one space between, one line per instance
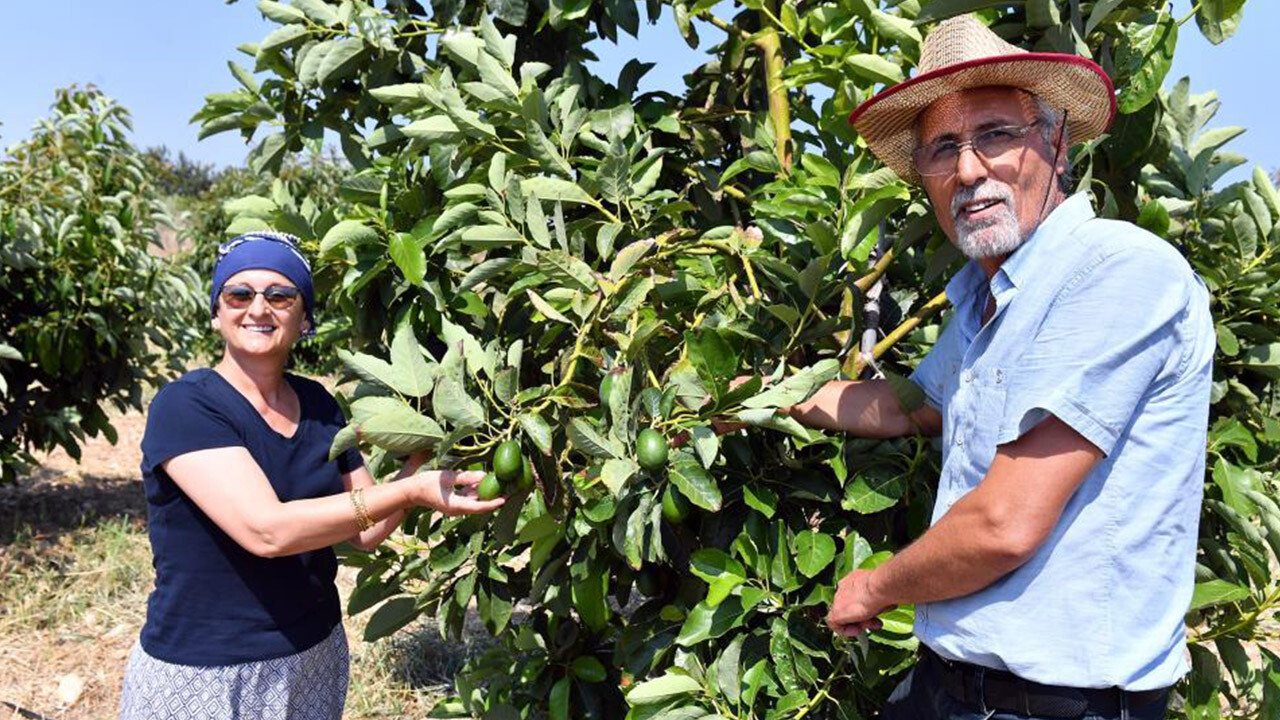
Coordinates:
382 529
229 486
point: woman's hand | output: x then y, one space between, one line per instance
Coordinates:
449 491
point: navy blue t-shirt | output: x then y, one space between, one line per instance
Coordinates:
214 602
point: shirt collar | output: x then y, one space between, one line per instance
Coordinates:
1027 261
1024 264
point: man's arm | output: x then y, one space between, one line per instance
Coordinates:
987 534
866 408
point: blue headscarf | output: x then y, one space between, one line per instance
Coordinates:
265 250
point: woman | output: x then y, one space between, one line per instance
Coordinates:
243 506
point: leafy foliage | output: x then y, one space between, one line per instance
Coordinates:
88 317
517 229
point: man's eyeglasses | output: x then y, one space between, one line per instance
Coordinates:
942 158
279 297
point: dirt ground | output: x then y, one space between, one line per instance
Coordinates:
76 561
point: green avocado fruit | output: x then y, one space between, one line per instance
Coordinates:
675 506
606 387
507 461
526 475
490 487
651 450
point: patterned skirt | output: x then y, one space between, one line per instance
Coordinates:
311 685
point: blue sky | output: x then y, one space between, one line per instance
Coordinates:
159 58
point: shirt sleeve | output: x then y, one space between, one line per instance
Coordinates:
183 419
1108 336
931 373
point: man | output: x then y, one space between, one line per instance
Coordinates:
1070 388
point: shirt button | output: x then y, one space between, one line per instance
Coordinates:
999 376
959 438
968 376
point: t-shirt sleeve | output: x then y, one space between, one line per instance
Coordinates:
931 373
183 419
1106 339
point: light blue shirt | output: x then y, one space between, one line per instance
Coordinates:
1106 327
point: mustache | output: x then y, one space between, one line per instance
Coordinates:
973 193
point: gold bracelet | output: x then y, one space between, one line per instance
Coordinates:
362 513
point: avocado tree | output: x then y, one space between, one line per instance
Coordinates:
552 272
88 316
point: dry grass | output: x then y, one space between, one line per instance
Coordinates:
77 569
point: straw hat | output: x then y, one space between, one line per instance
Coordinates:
963 53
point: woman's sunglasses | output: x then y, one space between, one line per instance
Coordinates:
279 297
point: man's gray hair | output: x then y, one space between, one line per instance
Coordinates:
1050 119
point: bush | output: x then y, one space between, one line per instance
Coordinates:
88 317
519 229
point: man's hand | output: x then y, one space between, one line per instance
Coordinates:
855 607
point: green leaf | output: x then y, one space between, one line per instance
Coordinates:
712 356
706 443
549 188
450 399
435 129
495 76
558 700
616 472
694 482
538 430
874 489
587 440
486 271
797 388
874 68
283 37
390 617
401 430
408 257
369 368
490 236
661 689
545 308
413 376
1216 592
254 206
706 622
943 9
627 257
569 270
1219 19
1143 59
814 552
269 153
9 352
721 573
280 13
345 439
341 60
762 499
1101 10
317 10
244 77
346 234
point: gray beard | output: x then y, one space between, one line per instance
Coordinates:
989 237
